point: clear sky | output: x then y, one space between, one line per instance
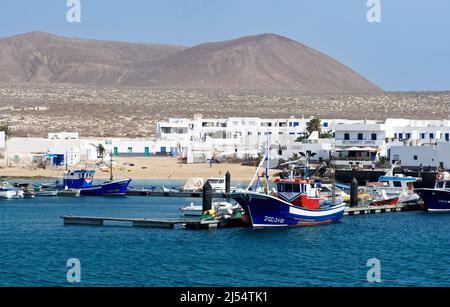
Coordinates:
408 50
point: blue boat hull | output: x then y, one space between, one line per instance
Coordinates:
114 188
434 199
268 211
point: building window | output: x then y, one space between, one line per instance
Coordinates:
374 136
415 157
395 136
325 125
400 136
165 129
447 137
408 136
290 124
431 136
360 136
422 136
346 136
130 149
296 124
249 133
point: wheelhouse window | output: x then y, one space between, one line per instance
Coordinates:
397 184
288 187
440 184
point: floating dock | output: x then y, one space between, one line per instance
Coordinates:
149 223
360 210
173 194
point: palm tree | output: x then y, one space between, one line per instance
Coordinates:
294 157
7 129
101 151
314 125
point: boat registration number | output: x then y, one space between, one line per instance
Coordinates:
275 220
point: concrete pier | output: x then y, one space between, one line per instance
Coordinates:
172 194
141 222
360 210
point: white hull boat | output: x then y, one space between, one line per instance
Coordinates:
197 210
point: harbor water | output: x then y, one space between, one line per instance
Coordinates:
412 247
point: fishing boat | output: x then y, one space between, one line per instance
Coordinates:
8 191
69 192
46 193
29 193
83 180
27 188
395 186
438 198
295 202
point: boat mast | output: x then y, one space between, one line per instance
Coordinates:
333 179
267 169
111 177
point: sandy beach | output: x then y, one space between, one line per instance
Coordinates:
142 168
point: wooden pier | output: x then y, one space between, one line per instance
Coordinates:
143 222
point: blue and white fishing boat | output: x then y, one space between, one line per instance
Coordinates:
295 202
84 181
8 191
437 199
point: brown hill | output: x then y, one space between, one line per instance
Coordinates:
265 61
261 62
42 57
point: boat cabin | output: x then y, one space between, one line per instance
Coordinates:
442 181
79 179
398 181
299 192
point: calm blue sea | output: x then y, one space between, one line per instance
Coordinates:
413 248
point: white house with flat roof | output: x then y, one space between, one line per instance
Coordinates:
359 142
417 132
436 155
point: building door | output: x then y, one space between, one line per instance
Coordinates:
116 151
146 151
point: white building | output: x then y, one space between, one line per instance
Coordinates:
355 142
359 142
2 148
437 155
417 132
